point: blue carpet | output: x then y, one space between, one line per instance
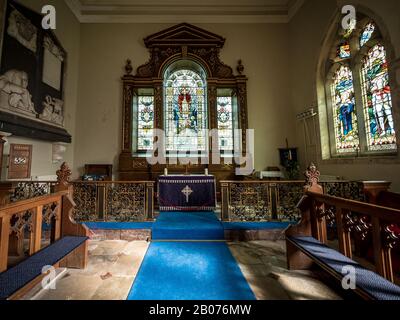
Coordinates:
119 225
255 225
187 226
190 271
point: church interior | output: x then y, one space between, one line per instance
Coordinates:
215 150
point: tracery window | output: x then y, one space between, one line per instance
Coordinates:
359 103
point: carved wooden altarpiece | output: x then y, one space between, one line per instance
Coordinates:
181 42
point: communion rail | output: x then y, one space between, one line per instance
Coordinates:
113 201
109 201
275 200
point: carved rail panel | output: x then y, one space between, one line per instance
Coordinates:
23 220
126 202
85 196
31 189
113 201
249 202
276 200
359 220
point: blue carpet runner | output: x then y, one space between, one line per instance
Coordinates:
190 271
188 226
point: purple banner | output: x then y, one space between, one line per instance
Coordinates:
186 193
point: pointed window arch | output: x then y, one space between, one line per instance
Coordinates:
359 95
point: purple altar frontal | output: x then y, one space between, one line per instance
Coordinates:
186 193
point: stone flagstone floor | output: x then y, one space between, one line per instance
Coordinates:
113 265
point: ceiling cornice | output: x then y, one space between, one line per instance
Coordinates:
87 12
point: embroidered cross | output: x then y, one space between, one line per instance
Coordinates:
187 192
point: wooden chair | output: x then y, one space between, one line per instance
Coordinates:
306 243
68 248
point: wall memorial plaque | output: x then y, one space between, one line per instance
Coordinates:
31 76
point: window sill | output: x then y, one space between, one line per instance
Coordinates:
366 158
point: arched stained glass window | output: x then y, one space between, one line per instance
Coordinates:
345 117
185 111
367 33
377 100
358 94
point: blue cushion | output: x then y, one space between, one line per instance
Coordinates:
368 281
17 277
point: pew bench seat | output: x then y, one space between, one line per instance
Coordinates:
369 285
19 276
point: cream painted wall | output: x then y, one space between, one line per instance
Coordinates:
307 32
263 48
68 32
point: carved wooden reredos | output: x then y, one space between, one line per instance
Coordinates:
183 42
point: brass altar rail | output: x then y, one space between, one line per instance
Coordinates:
353 218
27 216
275 200
113 201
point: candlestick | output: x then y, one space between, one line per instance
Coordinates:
206 172
165 172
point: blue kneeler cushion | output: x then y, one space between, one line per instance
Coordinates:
373 284
190 271
17 277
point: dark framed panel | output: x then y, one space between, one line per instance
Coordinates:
99 171
20 160
32 70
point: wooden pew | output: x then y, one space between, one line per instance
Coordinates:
306 242
68 246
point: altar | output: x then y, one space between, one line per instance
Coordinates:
187 193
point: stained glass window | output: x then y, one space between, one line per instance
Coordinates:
377 101
344 113
367 33
225 123
145 123
185 114
343 51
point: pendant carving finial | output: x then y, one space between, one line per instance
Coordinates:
64 174
312 175
128 68
240 67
